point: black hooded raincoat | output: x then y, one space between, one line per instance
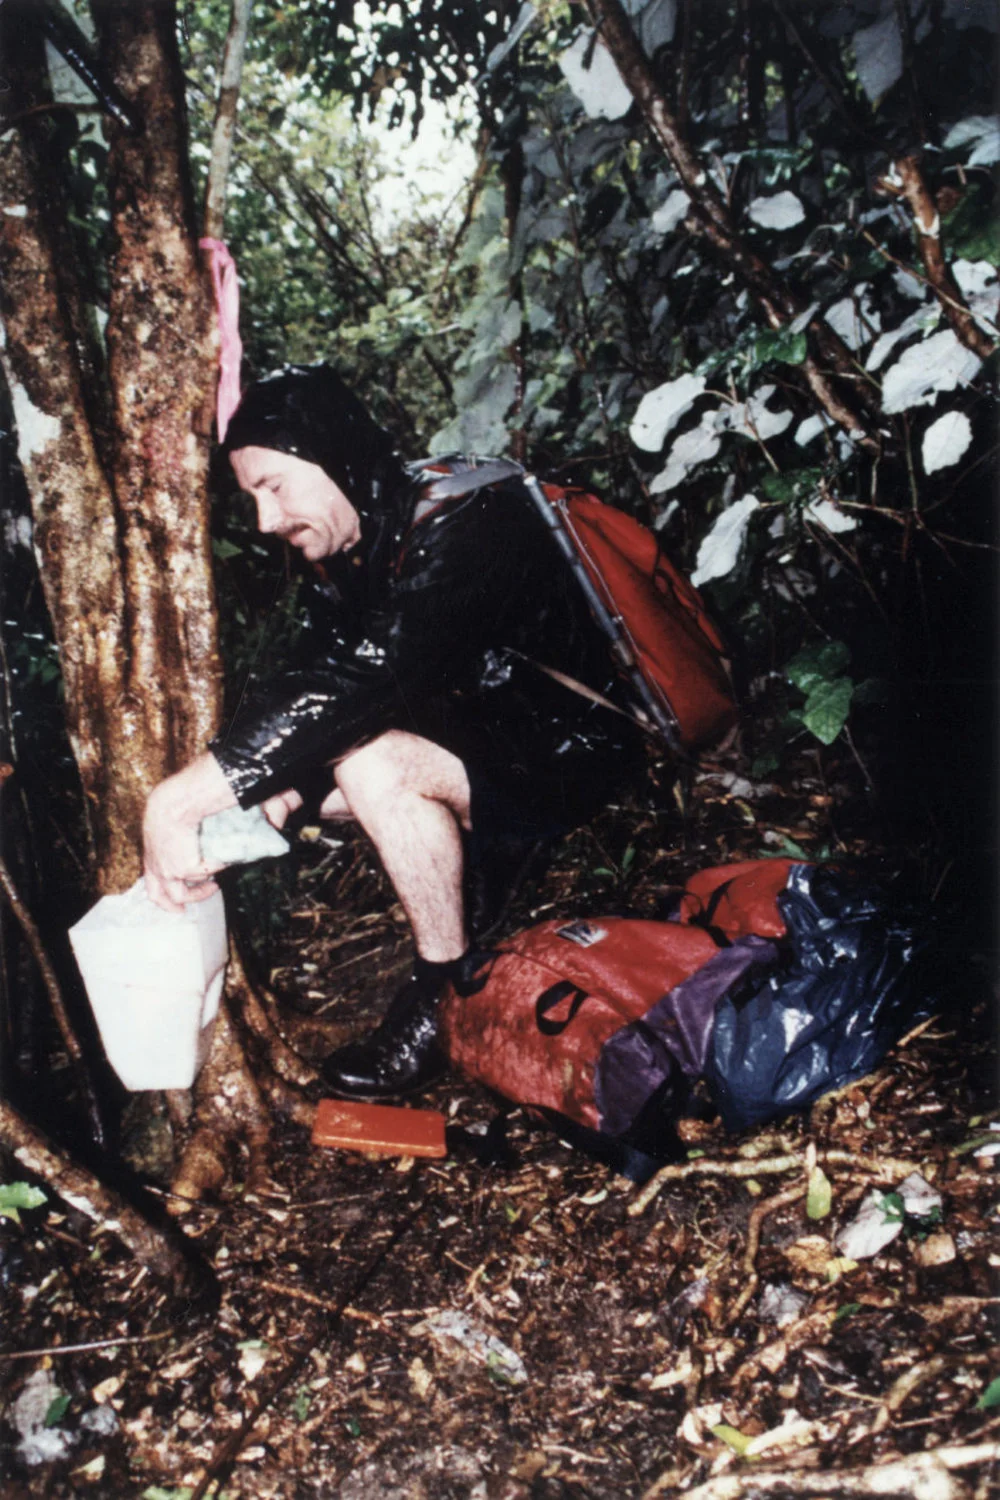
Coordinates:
436 626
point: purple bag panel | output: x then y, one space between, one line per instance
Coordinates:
675 1033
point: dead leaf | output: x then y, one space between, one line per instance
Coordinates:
810 1254
936 1250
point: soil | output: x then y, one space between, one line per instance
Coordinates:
389 1328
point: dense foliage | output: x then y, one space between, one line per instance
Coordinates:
584 317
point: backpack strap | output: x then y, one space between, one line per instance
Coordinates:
455 476
464 474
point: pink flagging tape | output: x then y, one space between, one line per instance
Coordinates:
227 304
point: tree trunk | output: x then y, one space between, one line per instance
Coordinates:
118 483
120 518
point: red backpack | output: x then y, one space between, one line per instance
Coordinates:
587 1021
662 640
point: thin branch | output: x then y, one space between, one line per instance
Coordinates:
833 93
923 1474
711 218
225 120
927 225
475 188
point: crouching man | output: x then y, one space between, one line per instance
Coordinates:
425 705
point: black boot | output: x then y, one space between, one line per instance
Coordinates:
402 1054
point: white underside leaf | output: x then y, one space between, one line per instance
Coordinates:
945 441
778 211
660 410
878 55
829 516
720 549
940 363
671 212
601 89
689 450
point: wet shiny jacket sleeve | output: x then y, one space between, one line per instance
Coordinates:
459 583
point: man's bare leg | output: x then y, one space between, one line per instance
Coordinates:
412 800
411 797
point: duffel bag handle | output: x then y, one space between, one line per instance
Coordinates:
550 998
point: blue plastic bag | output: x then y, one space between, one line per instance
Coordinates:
855 981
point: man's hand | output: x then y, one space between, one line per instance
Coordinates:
279 808
172 864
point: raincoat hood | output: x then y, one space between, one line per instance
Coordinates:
308 411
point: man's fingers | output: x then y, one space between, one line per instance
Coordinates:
200 891
160 894
175 895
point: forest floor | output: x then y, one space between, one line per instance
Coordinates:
540 1331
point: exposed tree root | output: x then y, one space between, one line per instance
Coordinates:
769 1166
162 1251
772 1355
229 1109
919 1476
259 1016
757 1217
249 1068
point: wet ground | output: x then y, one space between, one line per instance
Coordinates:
536 1331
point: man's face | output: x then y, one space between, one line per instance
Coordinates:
297 500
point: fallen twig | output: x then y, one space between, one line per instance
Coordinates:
768 1166
919 1476
141 1338
328 1304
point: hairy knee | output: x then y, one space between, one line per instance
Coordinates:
377 770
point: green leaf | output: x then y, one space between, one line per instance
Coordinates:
57 1410
820 1194
301 1404
159 1492
988 1138
796 484
784 346
893 1208
846 1311
817 663
826 710
971 229
764 764
224 550
787 849
732 1436
15 1195
990 1397
627 859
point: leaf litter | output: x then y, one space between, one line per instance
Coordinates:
545 1332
